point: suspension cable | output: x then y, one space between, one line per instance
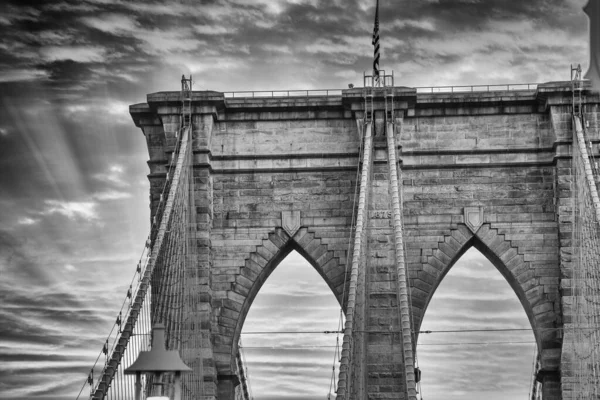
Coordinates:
120 348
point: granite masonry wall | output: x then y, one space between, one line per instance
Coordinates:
272 175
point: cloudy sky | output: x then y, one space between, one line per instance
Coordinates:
74 198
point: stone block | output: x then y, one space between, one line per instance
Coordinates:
508 254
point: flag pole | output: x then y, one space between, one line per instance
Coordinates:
376 48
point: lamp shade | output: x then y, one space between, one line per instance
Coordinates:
158 359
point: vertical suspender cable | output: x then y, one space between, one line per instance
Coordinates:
587 166
345 377
586 241
349 246
403 303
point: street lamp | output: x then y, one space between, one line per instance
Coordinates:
157 361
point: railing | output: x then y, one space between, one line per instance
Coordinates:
283 93
420 89
385 80
477 88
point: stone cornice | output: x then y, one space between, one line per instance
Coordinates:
351 101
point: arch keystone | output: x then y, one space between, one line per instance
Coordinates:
473 218
290 222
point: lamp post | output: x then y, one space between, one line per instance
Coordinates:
157 361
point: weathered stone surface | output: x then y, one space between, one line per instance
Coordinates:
501 159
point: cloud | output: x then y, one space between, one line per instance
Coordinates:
27 221
273 48
214 29
113 176
152 40
64 6
70 267
77 108
161 42
112 23
303 373
119 108
346 45
129 74
111 195
13 14
173 9
54 37
82 54
346 74
71 209
117 169
206 64
20 75
426 25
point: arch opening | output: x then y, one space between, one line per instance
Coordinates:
486 362
295 298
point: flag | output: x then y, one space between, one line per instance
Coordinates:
375 43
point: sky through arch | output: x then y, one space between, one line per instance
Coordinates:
475 365
291 366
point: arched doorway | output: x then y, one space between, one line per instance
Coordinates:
481 344
290 364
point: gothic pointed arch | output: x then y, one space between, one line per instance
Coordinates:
258 266
538 299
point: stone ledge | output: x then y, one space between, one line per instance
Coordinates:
405 98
